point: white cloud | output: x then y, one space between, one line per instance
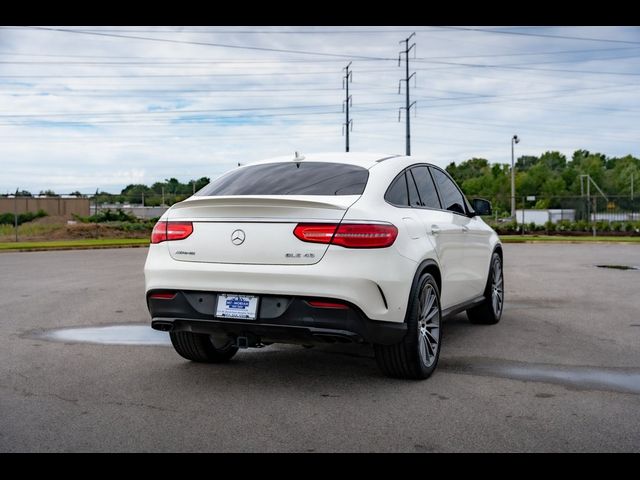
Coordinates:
85 112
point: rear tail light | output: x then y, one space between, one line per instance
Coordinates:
349 235
167 231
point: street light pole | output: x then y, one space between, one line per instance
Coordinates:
514 140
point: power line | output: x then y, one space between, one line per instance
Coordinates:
209 44
180 60
164 61
182 120
240 32
186 75
543 35
516 67
169 112
522 54
547 62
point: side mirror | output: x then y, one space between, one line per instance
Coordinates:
481 206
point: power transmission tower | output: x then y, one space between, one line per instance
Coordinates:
348 77
408 104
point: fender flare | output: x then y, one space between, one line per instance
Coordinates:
416 278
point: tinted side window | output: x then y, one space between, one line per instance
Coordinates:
427 189
414 196
291 178
451 197
397 192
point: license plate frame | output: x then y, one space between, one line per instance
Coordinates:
237 306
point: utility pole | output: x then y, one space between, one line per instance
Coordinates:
163 196
408 104
588 199
632 186
523 209
15 212
194 185
348 123
96 203
514 140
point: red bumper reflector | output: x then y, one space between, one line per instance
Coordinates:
163 296
339 306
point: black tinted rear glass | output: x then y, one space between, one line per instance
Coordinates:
291 178
426 188
397 192
414 196
451 197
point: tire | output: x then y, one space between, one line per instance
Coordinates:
199 347
489 312
416 356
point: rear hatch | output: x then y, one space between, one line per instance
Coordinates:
254 229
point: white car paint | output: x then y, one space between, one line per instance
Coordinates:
459 245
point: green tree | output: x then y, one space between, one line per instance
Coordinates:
555 161
525 162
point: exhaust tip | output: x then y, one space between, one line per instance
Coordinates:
162 325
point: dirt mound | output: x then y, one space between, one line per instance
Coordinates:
94 230
52 220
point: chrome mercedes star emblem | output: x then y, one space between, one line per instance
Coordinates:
237 237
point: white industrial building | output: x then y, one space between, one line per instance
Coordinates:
540 217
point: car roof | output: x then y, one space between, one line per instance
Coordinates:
362 159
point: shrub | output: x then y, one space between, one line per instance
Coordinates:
108 216
9 218
581 226
564 226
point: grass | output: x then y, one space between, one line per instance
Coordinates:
566 238
134 242
28 230
74 244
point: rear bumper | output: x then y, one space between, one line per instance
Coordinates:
280 319
376 281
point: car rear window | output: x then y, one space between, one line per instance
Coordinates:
302 178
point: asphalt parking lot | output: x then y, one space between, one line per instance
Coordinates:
560 372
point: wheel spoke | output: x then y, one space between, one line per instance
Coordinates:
428 325
423 349
430 349
432 339
431 314
427 308
497 287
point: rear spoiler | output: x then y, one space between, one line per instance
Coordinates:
333 202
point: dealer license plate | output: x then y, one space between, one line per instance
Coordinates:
233 305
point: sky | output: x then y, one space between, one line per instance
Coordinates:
85 108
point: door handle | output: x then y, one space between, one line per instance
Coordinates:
465 229
435 230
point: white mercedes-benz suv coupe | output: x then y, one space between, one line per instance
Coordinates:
340 247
